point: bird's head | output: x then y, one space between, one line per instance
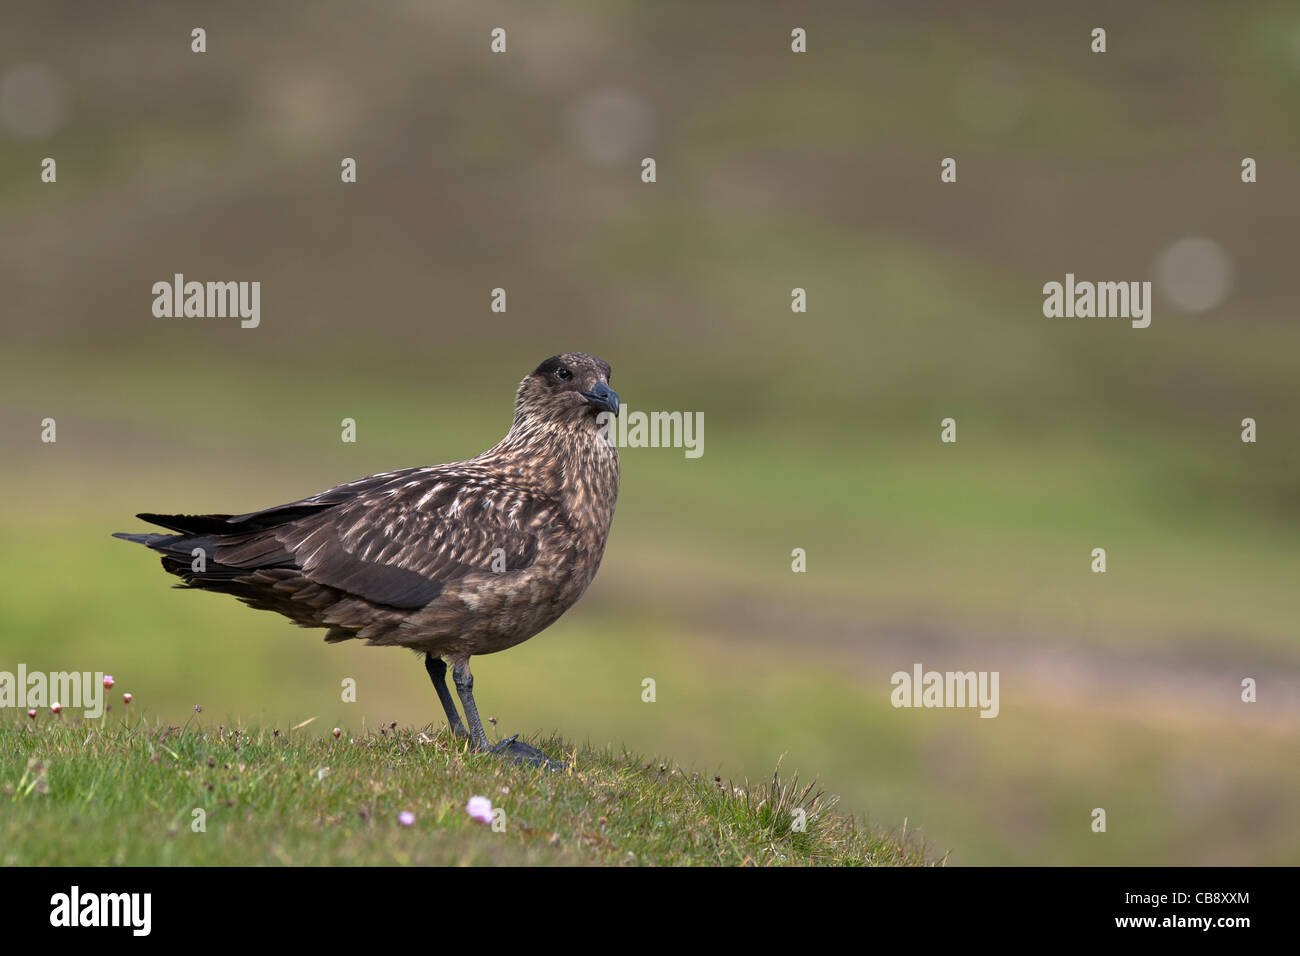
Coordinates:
571 387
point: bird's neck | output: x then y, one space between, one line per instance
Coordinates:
569 459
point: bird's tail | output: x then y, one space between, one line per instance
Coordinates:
191 552
238 556
148 540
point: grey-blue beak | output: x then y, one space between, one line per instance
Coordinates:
603 397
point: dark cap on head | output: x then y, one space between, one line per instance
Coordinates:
574 378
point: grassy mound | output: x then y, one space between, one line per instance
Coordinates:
93 794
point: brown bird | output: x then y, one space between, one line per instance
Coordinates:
450 560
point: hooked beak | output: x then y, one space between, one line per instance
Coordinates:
602 397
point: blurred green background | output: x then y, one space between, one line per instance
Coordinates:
775 171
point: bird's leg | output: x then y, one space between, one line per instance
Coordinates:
512 748
437 669
464 682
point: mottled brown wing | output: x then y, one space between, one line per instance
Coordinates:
400 540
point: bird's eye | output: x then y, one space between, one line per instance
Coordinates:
563 374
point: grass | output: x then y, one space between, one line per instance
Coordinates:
129 794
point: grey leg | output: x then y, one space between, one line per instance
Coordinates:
511 748
437 669
464 682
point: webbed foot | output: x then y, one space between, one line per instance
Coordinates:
512 748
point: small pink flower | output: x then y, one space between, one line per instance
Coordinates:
198 708
56 708
406 818
480 808
109 682
126 698
337 733
31 712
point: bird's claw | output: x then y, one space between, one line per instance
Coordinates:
512 748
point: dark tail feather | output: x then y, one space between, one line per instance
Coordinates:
176 545
177 552
206 534
148 540
191 524
244 556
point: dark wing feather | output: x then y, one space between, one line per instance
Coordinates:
398 539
